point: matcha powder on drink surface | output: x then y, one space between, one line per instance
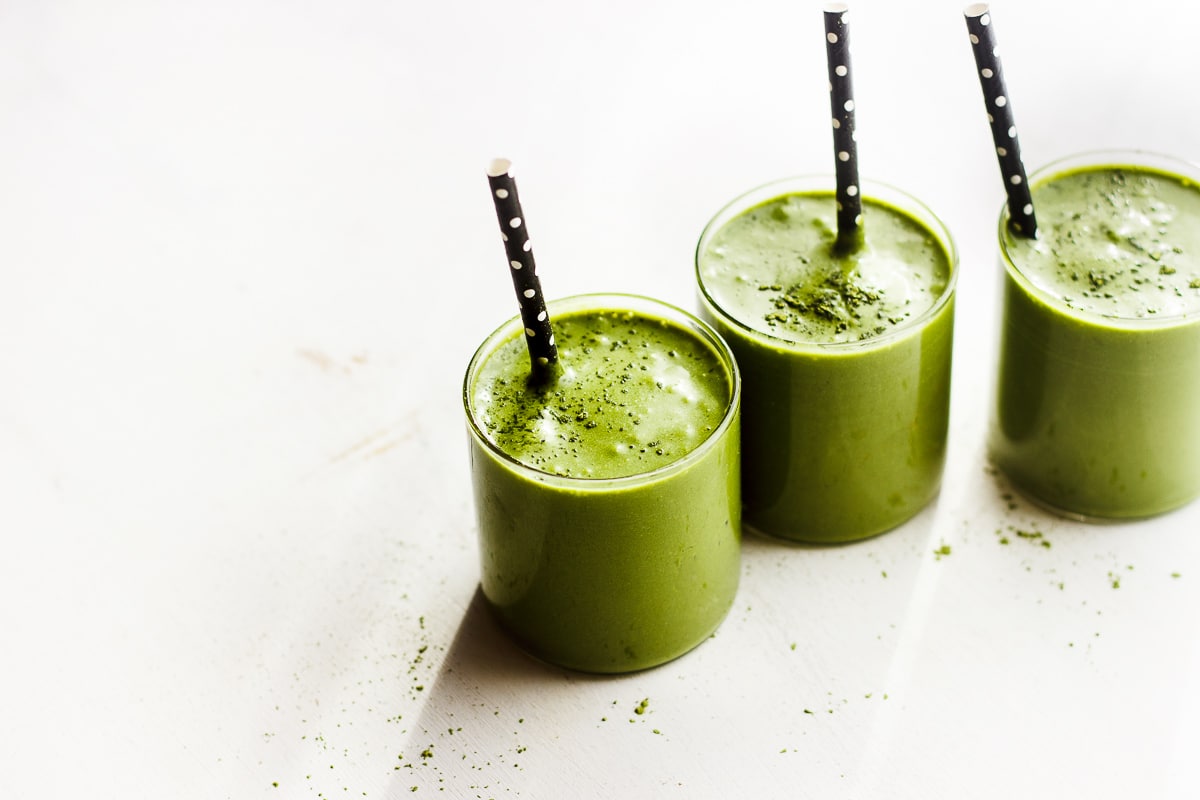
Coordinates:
635 393
777 268
1117 241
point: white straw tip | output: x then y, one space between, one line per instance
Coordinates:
498 167
975 10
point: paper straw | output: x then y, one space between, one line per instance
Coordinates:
1000 115
841 101
539 335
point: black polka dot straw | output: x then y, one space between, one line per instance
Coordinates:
538 334
1000 115
841 101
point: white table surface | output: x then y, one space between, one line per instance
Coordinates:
247 248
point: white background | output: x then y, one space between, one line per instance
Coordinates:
246 250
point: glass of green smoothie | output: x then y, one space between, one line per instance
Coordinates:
1097 411
845 355
608 497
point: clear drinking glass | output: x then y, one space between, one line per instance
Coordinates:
840 440
1097 410
612 574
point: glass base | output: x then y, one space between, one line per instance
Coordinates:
1081 516
808 541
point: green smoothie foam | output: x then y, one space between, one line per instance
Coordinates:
1100 344
777 270
608 500
845 357
634 393
1122 242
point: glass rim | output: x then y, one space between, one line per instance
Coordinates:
884 193
617 301
1172 166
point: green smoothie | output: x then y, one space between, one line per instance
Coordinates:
608 500
1099 368
845 357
